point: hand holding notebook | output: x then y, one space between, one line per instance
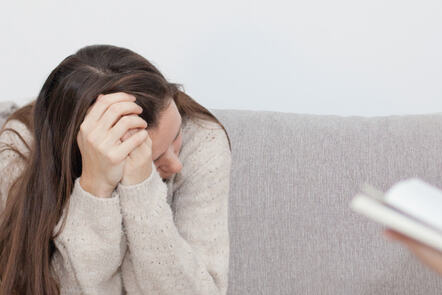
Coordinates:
428 255
413 210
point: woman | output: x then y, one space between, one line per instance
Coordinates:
94 204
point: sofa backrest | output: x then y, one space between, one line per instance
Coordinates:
293 176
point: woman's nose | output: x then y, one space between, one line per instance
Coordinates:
173 164
176 166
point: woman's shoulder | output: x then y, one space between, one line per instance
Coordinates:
203 140
204 135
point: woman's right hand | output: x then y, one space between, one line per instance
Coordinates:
102 152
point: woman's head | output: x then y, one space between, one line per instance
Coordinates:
80 78
37 198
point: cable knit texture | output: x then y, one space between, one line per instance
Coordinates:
154 237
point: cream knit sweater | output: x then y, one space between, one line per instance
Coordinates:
154 237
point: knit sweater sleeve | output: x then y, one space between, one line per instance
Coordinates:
186 252
88 250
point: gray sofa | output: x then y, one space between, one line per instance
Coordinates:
293 176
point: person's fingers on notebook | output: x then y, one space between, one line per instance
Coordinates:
391 234
395 235
426 254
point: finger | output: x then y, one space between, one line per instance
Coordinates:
390 234
126 147
143 151
102 103
424 250
403 238
412 242
124 125
129 133
115 112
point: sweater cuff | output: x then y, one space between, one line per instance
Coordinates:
137 186
136 200
103 213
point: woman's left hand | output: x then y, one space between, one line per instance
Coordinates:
138 164
428 255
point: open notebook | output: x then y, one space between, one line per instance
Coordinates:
411 207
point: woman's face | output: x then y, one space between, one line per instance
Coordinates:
166 142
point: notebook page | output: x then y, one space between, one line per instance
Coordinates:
419 199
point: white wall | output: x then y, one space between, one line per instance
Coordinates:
344 57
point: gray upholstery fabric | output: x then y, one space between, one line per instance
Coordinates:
293 176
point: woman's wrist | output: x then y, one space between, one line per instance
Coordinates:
95 189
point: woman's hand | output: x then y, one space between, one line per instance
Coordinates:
429 256
138 165
103 154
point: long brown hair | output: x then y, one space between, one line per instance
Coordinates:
36 199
